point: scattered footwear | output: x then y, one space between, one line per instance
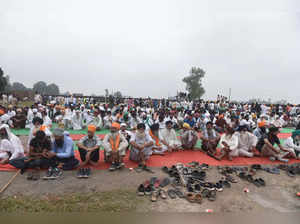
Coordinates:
80 173
179 193
172 194
141 190
212 196
163 194
113 167
198 198
165 182
57 173
154 196
49 174
191 197
29 176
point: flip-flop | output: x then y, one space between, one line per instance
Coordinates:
165 182
205 193
290 173
153 180
231 179
138 169
250 178
165 169
179 193
148 169
262 182
197 187
172 194
212 196
225 183
242 175
256 183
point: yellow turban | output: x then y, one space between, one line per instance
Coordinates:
186 125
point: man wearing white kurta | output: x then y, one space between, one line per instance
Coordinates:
169 137
10 146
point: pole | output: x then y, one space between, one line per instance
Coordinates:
229 94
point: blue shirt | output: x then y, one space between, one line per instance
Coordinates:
66 151
190 122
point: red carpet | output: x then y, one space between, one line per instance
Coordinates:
176 157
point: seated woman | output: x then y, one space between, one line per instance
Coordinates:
229 144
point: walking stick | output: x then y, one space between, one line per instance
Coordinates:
9 182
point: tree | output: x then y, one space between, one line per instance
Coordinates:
3 80
40 87
118 95
52 89
194 83
17 86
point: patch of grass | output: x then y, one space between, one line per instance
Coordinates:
112 201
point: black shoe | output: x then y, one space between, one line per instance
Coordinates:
49 174
56 173
88 172
148 189
84 173
79 173
112 167
141 190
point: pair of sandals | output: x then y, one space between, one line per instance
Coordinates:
33 176
210 195
175 193
259 182
194 198
155 194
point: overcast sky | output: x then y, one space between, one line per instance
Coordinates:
145 48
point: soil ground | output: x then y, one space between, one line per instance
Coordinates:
120 188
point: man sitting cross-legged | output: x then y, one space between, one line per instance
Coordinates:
141 147
210 139
229 144
88 148
189 137
158 147
61 154
169 137
115 145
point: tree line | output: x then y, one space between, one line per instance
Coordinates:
40 87
193 83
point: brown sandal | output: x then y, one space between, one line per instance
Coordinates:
191 197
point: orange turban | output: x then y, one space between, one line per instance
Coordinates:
92 128
115 125
261 124
43 128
